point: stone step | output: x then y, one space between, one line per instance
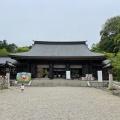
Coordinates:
98 84
51 83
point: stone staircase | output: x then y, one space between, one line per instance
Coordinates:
46 82
58 82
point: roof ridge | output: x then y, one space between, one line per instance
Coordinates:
60 42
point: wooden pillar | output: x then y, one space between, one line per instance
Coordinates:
90 67
85 70
51 70
28 66
19 68
67 67
34 70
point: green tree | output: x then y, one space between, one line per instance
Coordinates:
116 66
23 49
115 62
3 51
4 43
11 48
96 48
110 35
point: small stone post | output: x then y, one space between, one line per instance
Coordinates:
8 79
110 81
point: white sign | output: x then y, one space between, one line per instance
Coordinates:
100 76
68 75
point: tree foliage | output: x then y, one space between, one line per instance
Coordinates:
11 48
23 49
110 36
115 62
110 43
95 48
3 51
6 48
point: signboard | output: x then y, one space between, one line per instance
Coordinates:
68 75
23 77
100 76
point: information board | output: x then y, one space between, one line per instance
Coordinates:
100 79
23 77
68 75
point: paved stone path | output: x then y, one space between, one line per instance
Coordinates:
58 103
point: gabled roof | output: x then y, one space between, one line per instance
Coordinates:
46 49
9 64
4 59
105 62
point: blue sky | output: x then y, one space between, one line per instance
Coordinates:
22 21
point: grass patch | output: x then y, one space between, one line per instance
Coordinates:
112 88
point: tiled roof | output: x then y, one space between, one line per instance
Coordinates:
47 49
3 60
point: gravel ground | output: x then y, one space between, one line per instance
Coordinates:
58 103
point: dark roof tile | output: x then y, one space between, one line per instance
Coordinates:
55 49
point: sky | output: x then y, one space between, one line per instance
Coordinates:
22 21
